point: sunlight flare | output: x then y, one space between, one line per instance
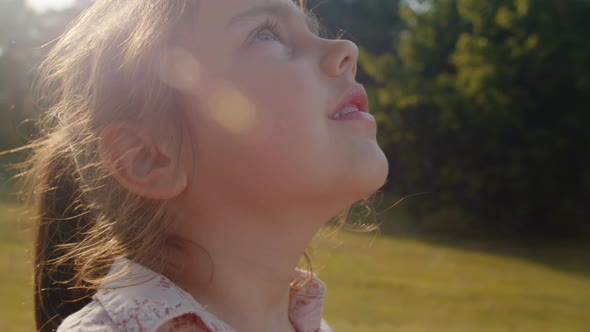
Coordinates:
236 113
179 69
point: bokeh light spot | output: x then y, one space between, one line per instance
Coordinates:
233 111
179 69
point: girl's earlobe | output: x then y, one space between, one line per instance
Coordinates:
140 164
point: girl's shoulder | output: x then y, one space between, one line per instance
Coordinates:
95 318
91 318
142 300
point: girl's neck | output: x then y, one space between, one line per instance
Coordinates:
240 269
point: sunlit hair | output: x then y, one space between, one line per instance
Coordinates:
107 67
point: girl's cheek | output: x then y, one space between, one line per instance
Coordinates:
270 51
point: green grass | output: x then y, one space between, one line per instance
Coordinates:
383 284
387 284
16 281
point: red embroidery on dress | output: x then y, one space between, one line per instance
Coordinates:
142 313
188 323
301 302
164 283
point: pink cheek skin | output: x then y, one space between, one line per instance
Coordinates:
289 94
265 49
296 102
287 102
225 160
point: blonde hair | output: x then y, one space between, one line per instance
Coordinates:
105 68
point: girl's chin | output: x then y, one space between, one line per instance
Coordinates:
360 187
373 176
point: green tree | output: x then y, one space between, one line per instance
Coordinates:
485 105
373 24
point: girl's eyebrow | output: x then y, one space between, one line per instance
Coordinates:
277 10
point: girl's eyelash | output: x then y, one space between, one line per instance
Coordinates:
270 25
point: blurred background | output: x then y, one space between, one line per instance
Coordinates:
484 113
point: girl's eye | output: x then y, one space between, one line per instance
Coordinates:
265 35
269 31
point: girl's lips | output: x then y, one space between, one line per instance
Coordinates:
356 116
357 97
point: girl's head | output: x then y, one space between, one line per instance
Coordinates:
156 108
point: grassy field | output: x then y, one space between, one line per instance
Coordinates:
16 278
383 283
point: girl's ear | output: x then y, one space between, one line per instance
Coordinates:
140 164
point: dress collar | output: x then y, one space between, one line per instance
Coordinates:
143 300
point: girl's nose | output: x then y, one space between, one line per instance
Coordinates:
340 58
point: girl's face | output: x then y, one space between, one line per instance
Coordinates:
260 105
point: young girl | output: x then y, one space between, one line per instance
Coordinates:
191 149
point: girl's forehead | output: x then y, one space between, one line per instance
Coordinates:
230 10
227 14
